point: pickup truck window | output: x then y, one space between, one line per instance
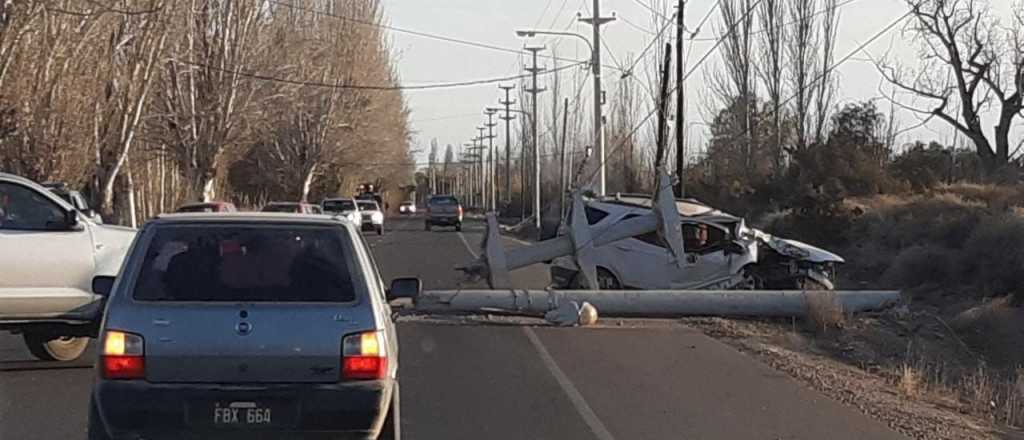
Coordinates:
26 210
229 263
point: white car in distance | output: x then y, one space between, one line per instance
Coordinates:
372 216
345 208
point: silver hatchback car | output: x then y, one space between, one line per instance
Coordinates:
247 326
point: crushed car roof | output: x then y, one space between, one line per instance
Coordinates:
687 207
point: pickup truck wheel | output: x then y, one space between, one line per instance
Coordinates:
49 348
380 230
458 227
392 429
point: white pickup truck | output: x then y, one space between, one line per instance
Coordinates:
49 254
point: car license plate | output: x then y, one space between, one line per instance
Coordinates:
241 414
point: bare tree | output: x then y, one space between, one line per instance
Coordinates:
801 49
970 63
770 69
128 68
737 83
203 99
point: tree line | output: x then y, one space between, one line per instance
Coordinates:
149 103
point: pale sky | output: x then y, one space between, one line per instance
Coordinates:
450 115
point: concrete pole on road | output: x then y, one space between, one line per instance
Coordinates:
596 21
533 91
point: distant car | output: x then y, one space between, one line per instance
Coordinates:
207 207
344 207
407 208
49 253
293 207
444 210
372 216
75 198
248 325
721 252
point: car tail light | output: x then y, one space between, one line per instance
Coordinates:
123 356
364 356
460 210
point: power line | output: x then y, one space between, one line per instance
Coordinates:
639 58
705 19
418 33
365 87
634 25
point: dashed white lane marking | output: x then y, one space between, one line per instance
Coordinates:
588 415
468 247
584 410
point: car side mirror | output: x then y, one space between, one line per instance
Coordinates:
70 219
102 285
404 288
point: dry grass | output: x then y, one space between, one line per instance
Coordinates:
908 381
824 311
979 392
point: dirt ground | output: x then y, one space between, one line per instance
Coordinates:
921 372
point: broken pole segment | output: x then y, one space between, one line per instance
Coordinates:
651 303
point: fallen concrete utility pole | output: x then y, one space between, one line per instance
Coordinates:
651 303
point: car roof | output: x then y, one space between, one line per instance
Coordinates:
249 217
689 208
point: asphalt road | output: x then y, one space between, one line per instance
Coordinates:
504 381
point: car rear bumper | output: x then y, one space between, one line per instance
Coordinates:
444 219
132 409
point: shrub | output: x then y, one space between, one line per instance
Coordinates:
920 265
994 255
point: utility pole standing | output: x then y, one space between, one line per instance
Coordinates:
483 168
596 21
680 106
533 91
492 168
508 138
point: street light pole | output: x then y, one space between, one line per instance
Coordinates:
596 21
595 64
536 156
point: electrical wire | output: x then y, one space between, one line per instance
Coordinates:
629 71
383 88
417 33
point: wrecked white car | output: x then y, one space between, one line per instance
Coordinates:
721 252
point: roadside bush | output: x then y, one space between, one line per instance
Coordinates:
994 255
918 265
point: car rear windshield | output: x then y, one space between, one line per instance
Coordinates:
235 263
339 205
198 208
444 201
368 206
